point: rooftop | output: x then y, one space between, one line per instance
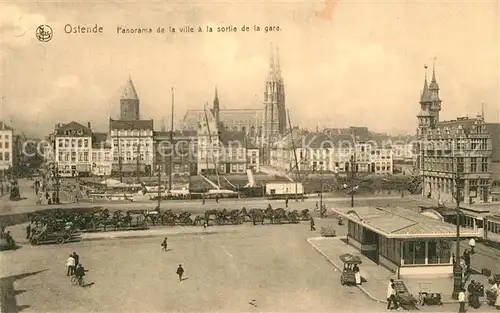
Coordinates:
73 129
4 126
131 125
401 223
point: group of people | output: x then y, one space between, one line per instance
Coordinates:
180 269
75 268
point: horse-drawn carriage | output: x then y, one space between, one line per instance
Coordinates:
351 270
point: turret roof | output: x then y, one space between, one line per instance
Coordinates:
129 92
426 95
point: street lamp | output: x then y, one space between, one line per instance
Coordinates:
353 169
158 168
457 269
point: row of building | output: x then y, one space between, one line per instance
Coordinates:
6 149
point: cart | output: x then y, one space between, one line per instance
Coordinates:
348 276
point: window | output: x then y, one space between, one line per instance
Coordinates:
473 165
460 165
1 156
484 165
483 144
85 156
79 143
414 252
432 252
73 156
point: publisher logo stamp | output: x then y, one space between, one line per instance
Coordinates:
44 33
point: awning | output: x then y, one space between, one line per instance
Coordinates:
82 167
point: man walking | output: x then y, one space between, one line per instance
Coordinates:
164 244
180 272
461 301
472 245
77 258
28 231
312 224
70 263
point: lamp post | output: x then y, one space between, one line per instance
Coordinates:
321 192
353 170
457 269
158 168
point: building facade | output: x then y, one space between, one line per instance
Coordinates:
321 152
457 152
73 149
132 147
6 158
102 155
182 152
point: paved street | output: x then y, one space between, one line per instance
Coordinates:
272 265
9 207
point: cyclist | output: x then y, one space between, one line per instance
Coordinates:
79 273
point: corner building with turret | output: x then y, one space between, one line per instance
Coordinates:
464 151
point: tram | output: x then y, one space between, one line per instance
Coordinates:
492 228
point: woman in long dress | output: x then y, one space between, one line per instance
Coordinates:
496 287
357 275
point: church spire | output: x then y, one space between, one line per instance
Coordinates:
216 100
434 85
272 66
278 67
425 97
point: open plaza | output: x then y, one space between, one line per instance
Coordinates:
237 268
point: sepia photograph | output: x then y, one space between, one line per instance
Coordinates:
250 156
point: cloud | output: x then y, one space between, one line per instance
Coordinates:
17 26
68 81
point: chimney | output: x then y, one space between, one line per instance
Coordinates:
88 125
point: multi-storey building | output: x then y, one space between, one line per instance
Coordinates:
316 152
102 155
181 151
454 152
132 146
73 147
6 159
237 153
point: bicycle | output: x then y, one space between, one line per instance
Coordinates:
77 281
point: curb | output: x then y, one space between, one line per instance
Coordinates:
309 240
369 295
149 236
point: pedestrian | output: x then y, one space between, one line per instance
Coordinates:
70 263
467 260
164 244
205 224
216 199
77 258
461 301
28 231
286 202
472 245
391 296
180 272
312 224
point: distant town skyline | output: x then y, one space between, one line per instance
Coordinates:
362 67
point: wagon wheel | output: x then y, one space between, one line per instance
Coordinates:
60 240
34 242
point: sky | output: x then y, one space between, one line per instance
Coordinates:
344 63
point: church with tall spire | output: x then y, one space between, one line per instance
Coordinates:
263 123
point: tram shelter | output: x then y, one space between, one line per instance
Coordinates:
404 241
